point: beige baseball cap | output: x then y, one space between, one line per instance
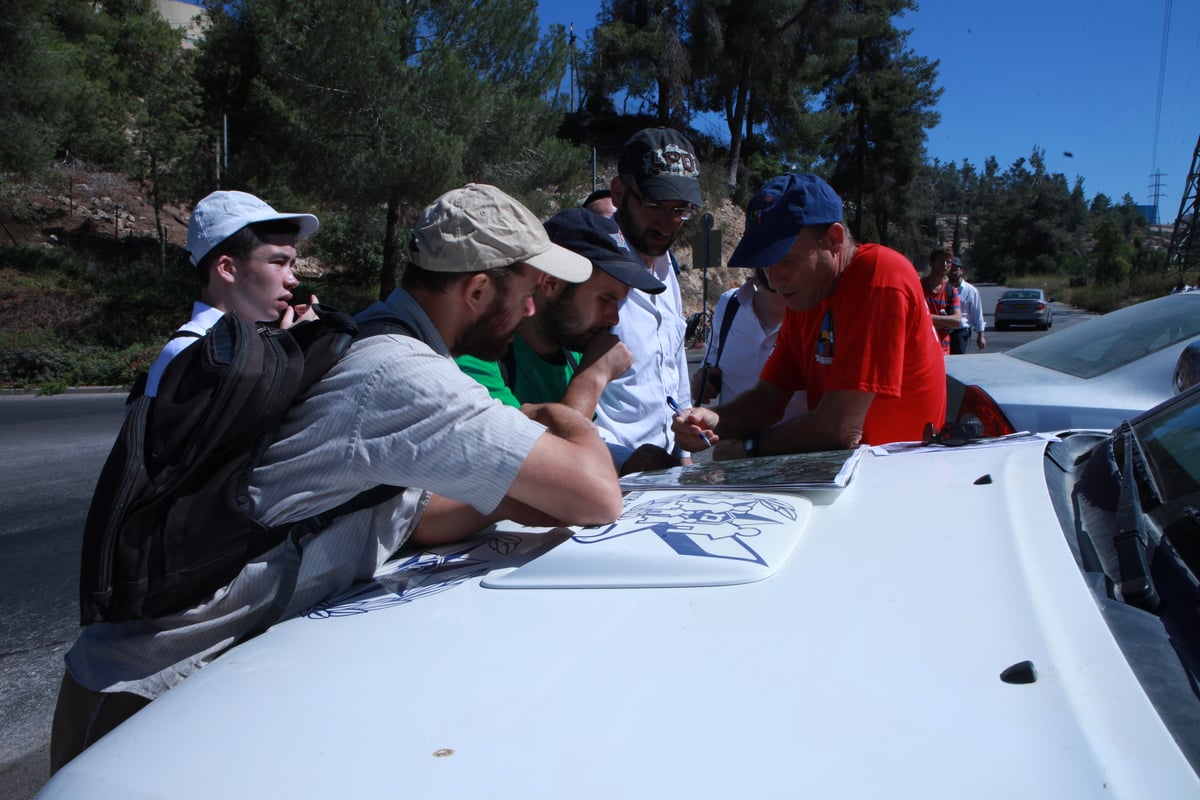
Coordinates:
479 227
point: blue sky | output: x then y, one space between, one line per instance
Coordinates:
1067 76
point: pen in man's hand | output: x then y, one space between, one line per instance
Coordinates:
679 413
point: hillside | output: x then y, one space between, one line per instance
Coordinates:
90 212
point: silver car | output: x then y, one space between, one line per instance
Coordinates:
1092 375
1023 307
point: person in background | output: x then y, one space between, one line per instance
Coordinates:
855 337
566 352
746 321
244 252
656 191
972 312
941 298
600 202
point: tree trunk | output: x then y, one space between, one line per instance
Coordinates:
736 125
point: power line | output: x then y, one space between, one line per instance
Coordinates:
1162 79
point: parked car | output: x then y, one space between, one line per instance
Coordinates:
756 629
1023 307
1092 375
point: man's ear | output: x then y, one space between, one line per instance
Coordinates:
617 188
224 269
477 291
835 236
549 285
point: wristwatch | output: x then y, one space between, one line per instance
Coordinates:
750 445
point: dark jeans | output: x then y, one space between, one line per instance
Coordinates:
83 716
960 340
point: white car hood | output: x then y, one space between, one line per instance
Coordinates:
860 656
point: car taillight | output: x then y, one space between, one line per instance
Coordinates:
978 406
1041 307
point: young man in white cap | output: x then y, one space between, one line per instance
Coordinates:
394 411
657 190
244 252
856 336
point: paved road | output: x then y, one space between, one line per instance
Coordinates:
51 450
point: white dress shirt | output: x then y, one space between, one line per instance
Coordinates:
633 408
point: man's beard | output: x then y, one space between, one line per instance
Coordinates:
557 321
637 238
484 338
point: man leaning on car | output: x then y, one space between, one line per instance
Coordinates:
856 336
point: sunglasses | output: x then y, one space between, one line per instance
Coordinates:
679 214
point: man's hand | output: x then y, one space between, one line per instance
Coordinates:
980 342
301 312
649 456
608 354
692 426
729 450
562 421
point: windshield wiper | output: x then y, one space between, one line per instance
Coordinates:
1134 581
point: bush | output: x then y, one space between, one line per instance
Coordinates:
1100 298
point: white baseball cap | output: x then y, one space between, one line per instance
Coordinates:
479 227
222 214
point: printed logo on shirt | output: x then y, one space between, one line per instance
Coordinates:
824 354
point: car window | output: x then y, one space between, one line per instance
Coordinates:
1173 447
1097 346
1021 294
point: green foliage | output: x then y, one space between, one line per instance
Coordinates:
65 322
638 49
1112 257
392 106
1099 299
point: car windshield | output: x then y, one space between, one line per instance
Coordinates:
1021 294
1128 510
1172 446
1100 345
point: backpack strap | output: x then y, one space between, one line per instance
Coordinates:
293 552
731 309
383 325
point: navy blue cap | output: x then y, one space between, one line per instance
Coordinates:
599 239
777 213
664 164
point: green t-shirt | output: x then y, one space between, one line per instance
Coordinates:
534 380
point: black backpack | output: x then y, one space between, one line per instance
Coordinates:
168 523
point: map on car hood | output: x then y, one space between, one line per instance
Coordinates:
831 469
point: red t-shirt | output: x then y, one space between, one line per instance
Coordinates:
873 334
943 302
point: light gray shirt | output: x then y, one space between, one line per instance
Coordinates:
394 410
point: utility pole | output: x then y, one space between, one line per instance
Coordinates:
572 41
1183 254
